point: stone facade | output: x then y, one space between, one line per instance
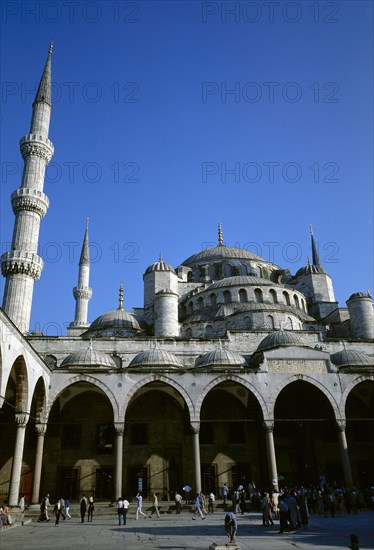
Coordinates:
235 370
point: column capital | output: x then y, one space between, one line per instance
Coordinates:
268 425
195 427
41 428
119 428
21 419
341 424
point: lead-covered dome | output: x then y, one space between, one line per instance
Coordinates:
348 358
159 266
239 280
310 269
88 358
280 339
118 319
155 357
220 252
220 358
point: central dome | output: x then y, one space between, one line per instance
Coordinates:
221 252
118 319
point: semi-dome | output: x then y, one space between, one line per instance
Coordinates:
118 319
159 266
240 280
220 357
88 358
156 357
348 358
282 338
220 252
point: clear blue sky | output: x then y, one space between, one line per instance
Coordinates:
152 147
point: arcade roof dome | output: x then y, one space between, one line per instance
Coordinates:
280 339
220 357
155 357
348 358
88 358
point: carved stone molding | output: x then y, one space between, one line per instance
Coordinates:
27 199
82 292
19 262
195 427
341 424
268 425
119 428
41 429
32 145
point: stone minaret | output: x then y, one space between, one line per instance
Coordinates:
21 265
82 292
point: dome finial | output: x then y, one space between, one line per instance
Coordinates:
120 300
87 220
50 46
311 229
220 235
161 259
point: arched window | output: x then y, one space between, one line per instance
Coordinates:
286 298
188 333
243 296
189 276
227 297
270 322
213 300
235 270
228 270
288 324
303 304
273 296
296 298
258 295
209 331
190 308
200 304
247 322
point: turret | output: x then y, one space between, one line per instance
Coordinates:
360 308
21 265
158 276
166 314
82 292
316 285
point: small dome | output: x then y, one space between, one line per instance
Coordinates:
358 295
310 269
159 266
118 319
155 357
280 339
220 357
346 358
88 358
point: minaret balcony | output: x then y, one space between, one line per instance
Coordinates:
82 292
33 144
32 200
17 262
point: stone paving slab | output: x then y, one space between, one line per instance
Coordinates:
178 532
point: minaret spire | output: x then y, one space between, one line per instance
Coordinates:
21 265
82 292
220 235
120 298
315 256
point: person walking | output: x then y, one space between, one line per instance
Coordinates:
120 510
44 508
224 492
211 501
231 526
126 506
155 509
178 503
22 507
139 499
83 507
67 508
57 511
198 508
91 508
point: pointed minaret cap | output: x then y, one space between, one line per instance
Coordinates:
43 95
315 256
120 299
85 254
220 235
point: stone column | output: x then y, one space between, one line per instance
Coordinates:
196 455
40 429
118 430
15 477
270 450
344 453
